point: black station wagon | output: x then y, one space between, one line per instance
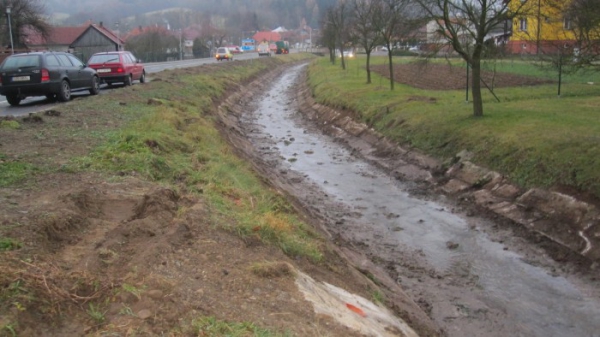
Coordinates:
50 74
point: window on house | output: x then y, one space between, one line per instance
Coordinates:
523 24
567 24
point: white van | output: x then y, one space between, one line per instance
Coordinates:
263 49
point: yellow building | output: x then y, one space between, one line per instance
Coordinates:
541 27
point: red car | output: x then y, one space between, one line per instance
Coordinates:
118 66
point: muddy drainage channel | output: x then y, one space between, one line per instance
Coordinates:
469 284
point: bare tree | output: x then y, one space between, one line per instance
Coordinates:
464 24
365 31
328 35
393 19
338 19
27 17
154 45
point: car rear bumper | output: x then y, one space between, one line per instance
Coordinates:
113 78
36 89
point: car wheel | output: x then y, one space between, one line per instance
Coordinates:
95 86
128 81
65 91
13 100
143 77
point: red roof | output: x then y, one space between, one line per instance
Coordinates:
57 36
268 36
108 33
66 35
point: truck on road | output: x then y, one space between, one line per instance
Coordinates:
283 47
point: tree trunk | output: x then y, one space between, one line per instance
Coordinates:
368 68
476 86
391 67
342 56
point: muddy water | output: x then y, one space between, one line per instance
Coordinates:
470 283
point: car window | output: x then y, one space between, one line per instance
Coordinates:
221 50
133 59
64 60
104 58
25 61
52 61
76 62
127 59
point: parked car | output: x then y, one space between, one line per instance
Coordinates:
223 53
51 74
118 67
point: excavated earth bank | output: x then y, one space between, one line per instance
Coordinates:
564 227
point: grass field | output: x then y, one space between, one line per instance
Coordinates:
531 135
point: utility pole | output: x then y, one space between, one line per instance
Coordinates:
180 45
539 27
12 46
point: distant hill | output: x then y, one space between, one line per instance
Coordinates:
241 14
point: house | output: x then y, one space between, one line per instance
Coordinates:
82 41
268 36
59 38
542 27
436 37
95 39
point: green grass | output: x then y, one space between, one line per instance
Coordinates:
8 124
211 327
96 313
175 142
9 244
12 171
532 136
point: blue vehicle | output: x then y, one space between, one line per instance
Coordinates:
248 45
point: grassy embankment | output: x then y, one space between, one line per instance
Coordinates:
531 135
173 142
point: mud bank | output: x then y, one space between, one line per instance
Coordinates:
567 221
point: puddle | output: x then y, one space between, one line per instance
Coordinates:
470 285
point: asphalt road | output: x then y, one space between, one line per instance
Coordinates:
39 103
